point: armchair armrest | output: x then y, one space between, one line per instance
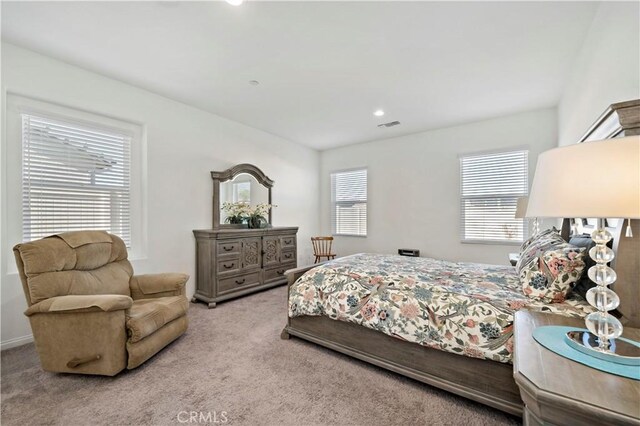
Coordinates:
158 285
81 303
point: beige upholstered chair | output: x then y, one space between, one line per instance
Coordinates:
89 314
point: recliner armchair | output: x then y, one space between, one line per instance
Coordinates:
89 314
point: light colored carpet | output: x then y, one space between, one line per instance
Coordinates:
232 360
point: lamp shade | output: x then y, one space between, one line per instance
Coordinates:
521 207
591 179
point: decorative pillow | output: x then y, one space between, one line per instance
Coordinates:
551 275
537 236
536 245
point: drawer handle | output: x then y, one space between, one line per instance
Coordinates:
240 281
228 266
225 248
280 271
287 241
288 255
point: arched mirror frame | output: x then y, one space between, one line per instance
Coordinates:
229 174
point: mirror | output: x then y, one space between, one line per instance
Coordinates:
243 188
244 183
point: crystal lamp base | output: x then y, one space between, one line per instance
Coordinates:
620 351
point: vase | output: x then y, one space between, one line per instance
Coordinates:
254 222
234 220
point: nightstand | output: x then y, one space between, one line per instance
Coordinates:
558 391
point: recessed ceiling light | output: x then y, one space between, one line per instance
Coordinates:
254 82
378 113
235 2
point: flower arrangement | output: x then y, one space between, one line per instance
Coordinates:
256 216
240 212
236 212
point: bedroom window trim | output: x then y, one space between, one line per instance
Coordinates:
18 108
75 176
519 181
363 229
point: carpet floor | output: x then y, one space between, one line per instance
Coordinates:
231 367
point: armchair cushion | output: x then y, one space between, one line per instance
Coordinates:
157 285
113 278
75 263
75 304
146 316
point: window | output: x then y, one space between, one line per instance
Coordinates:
490 185
74 176
242 192
349 202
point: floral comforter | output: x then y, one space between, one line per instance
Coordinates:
464 308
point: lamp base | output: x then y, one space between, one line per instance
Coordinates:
620 351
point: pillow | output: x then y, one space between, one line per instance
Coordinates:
536 245
551 275
534 237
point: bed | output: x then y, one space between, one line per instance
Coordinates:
446 324
343 313
461 308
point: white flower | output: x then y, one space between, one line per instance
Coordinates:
243 210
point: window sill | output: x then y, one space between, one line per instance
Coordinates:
349 235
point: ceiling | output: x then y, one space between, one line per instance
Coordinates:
323 67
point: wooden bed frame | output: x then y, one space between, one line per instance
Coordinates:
485 381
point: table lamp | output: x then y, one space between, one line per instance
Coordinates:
562 188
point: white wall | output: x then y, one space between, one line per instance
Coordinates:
183 145
413 185
607 69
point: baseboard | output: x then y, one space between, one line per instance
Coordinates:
16 341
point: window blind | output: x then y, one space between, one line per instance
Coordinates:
490 185
74 177
349 202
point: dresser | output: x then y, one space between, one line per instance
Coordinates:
233 262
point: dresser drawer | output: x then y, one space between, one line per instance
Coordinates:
288 242
230 247
288 256
235 283
277 273
228 266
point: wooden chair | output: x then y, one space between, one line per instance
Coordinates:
322 248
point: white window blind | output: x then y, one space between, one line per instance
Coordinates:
74 177
349 202
490 185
